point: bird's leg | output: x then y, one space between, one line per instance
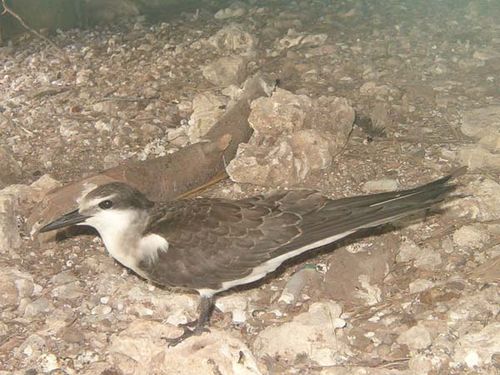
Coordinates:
206 306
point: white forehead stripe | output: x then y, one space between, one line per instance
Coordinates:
87 188
94 202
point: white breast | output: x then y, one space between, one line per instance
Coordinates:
121 232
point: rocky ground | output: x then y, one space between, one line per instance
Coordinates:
418 298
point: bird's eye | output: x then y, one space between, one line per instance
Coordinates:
106 204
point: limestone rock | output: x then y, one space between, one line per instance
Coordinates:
233 11
140 349
312 333
293 136
482 202
477 156
207 109
470 237
416 338
480 122
233 39
10 237
477 348
381 185
14 286
225 71
364 281
10 172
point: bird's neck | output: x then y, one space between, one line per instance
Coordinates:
122 232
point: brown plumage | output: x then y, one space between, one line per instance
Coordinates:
212 244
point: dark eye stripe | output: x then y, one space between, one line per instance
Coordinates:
106 204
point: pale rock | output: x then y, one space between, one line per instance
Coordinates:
178 136
313 332
68 129
334 117
282 113
491 143
174 308
15 286
372 89
482 201
420 285
293 136
477 156
10 237
40 306
294 286
382 185
49 362
141 349
416 338
103 126
312 40
10 172
369 291
233 39
355 370
477 306
420 365
234 11
42 186
476 349
407 251
311 150
64 277
428 259
294 38
207 109
83 76
225 71
489 271
470 237
364 282
69 291
481 122
4 329
272 166
236 304
424 258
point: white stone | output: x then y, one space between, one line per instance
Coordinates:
470 237
10 237
476 349
141 350
313 332
233 39
420 285
14 286
416 338
235 304
482 201
481 122
407 251
225 71
207 109
385 184
478 156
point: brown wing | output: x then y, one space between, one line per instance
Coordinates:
215 240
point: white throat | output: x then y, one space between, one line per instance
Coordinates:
122 234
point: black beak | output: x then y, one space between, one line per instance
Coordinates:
71 218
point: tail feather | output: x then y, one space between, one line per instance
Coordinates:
351 214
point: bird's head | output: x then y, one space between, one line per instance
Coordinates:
108 207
